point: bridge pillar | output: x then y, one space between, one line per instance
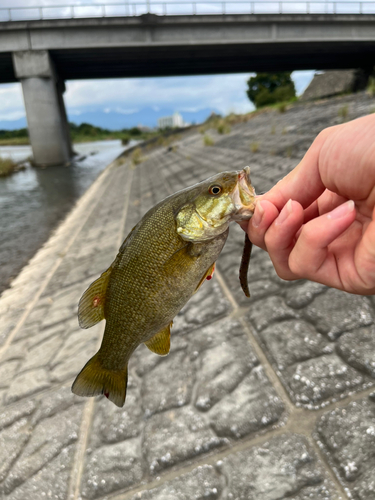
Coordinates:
45 109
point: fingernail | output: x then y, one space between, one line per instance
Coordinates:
341 210
284 214
258 215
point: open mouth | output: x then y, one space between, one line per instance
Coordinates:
243 196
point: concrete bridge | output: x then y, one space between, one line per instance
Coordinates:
43 53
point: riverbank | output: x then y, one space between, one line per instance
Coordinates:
271 397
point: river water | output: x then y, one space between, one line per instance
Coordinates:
34 201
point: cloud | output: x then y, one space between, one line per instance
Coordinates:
11 102
223 92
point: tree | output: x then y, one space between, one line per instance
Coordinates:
269 88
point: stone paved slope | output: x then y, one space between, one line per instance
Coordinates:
267 399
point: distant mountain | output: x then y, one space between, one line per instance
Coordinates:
147 117
116 121
13 124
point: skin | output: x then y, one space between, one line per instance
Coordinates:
318 223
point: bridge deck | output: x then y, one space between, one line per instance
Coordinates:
151 45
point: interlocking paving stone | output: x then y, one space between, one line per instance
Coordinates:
37 437
113 424
347 436
175 436
357 349
252 406
202 483
110 468
281 468
216 390
178 389
335 312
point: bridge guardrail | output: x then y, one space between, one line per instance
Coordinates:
126 9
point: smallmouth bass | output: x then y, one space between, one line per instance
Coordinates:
160 265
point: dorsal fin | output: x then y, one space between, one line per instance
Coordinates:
91 305
160 343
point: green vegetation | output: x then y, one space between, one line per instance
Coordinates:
223 127
343 112
137 156
270 88
254 146
14 137
207 140
86 133
7 167
371 86
282 107
78 133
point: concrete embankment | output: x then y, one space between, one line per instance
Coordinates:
266 398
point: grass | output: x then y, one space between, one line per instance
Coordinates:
343 112
7 167
254 146
223 127
207 140
371 86
15 141
137 156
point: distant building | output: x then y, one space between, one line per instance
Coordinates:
143 128
174 121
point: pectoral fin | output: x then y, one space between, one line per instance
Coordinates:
207 276
161 342
244 267
91 305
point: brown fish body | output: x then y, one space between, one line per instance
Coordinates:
160 265
150 283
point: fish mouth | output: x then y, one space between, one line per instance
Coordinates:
243 196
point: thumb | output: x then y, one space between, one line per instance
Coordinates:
364 256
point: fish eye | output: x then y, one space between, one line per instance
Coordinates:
215 190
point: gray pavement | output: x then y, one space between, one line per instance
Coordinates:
267 399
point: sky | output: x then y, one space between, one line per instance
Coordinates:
223 93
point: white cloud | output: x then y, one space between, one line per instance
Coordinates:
223 92
11 102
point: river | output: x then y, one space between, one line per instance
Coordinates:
34 201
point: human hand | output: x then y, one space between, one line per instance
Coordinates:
318 222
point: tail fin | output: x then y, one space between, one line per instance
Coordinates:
93 380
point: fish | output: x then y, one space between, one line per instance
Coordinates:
162 262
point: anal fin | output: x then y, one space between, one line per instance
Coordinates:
160 343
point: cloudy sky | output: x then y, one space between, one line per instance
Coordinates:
225 93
